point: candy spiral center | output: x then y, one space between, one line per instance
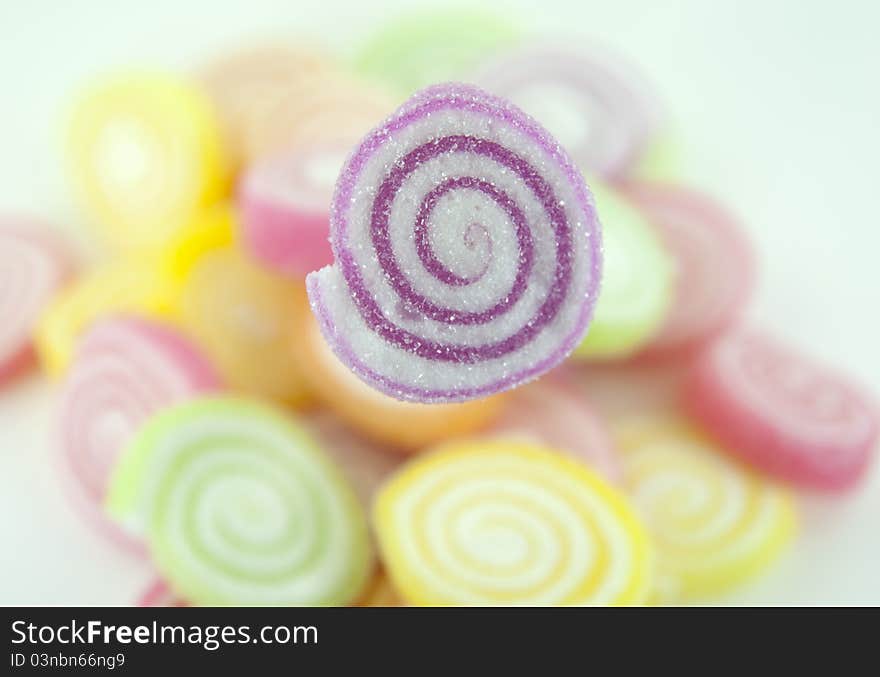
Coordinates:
382 242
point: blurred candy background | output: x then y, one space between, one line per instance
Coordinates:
737 167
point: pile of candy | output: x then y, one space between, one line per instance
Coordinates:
378 434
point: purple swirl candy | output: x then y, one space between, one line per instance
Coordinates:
467 251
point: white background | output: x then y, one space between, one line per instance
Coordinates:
778 109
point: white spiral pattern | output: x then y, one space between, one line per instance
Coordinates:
509 523
466 247
241 508
713 522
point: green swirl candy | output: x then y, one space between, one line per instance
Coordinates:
239 506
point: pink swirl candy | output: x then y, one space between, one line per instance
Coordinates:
715 267
597 105
34 264
467 251
284 203
796 420
126 369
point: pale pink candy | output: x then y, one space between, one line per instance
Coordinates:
284 203
714 261
34 264
365 464
795 419
125 370
158 594
555 412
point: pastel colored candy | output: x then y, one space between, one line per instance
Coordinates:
241 84
422 48
555 412
126 285
637 282
158 594
366 465
146 153
396 425
596 103
125 369
34 265
241 507
285 207
714 265
329 107
784 413
246 319
713 522
467 251
211 228
506 523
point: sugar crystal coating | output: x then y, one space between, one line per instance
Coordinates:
467 251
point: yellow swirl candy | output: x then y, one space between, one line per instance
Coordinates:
506 522
714 522
134 286
146 152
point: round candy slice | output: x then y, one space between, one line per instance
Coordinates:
637 282
326 108
125 370
793 418
126 285
402 426
34 265
158 594
241 507
555 412
714 523
246 319
490 523
146 152
285 207
467 251
597 105
713 259
427 47
242 83
212 228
